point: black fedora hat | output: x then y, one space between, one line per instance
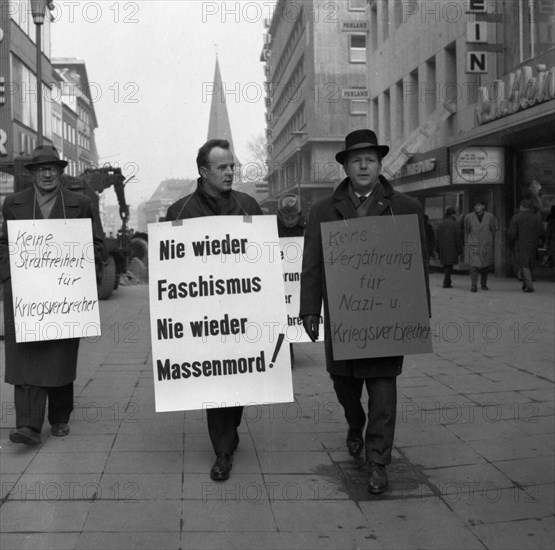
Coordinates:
45 154
361 139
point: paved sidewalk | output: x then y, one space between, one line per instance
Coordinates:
473 463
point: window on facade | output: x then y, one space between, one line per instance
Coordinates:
357 5
357 48
385 19
358 107
529 28
374 25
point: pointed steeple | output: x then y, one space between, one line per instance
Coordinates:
218 124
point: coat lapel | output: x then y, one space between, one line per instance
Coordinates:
24 205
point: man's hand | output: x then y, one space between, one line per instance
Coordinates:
311 325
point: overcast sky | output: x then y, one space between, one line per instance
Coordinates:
152 65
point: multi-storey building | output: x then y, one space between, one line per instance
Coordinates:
464 93
18 86
78 115
317 88
69 118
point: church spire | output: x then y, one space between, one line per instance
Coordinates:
218 124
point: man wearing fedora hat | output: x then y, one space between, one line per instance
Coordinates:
43 371
291 222
364 192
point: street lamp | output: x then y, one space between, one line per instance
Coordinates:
38 10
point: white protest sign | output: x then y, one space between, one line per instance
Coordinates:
292 263
53 279
376 288
217 313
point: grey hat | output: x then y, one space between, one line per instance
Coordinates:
45 154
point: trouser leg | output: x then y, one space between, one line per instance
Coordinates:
484 276
527 276
60 404
473 277
382 412
447 270
349 392
30 406
222 428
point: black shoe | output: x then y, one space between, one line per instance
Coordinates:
25 435
355 443
527 289
473 289
222 467
447 286
485 287
60 430
377 478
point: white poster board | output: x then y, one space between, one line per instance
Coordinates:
217 313
292 263
376 287
53 279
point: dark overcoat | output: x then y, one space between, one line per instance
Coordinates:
524 232
48 363
200 203
337 207
449 241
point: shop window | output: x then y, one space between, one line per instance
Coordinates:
357 48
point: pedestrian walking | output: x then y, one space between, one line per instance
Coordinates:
524 232
479 229
364 192
214 196
41 372
449 244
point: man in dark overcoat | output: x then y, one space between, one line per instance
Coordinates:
364 192
214 196
42 371
449 244
524 232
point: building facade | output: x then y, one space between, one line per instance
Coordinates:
464 93
69 118
78 115
315 58
18 86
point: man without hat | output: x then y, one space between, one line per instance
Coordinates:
479 228
214 196
43 371
364 192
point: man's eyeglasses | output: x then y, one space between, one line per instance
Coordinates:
221 167
51 169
